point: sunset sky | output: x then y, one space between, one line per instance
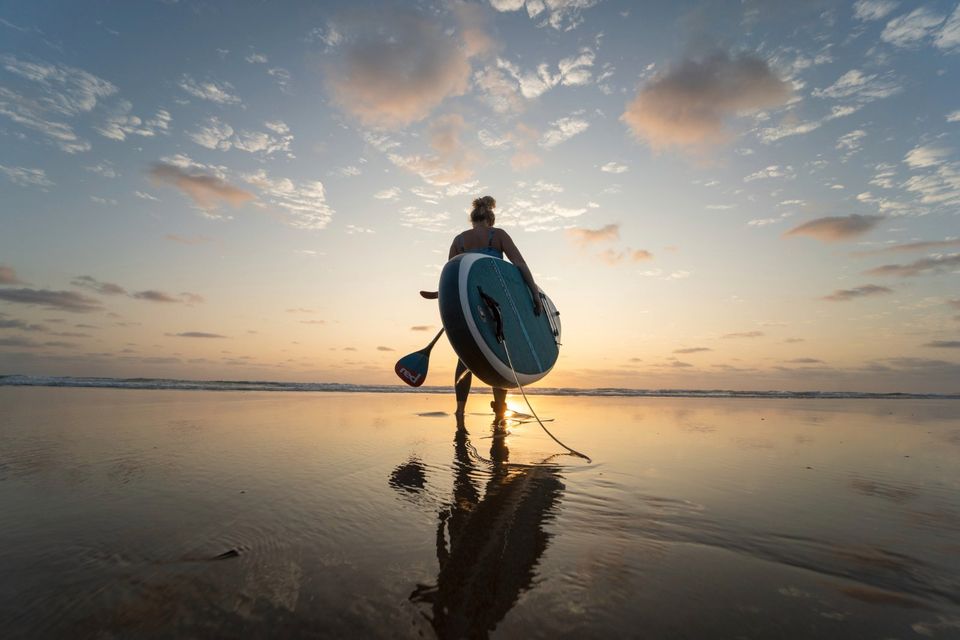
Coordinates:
740 195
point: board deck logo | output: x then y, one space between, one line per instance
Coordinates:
406 373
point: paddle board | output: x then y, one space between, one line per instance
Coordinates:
480 297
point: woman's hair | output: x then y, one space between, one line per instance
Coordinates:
483 209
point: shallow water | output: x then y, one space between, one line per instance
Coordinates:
200 514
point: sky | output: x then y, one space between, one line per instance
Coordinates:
723 195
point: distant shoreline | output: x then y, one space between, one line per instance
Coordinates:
332 387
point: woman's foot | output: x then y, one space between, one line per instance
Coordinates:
499 410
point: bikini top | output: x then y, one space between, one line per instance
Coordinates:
488 250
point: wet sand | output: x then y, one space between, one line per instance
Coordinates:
232 514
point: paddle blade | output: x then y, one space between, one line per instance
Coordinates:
412 369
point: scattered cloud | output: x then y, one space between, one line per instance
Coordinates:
927 156
562 15
743 334
56 92
121 123
220 93
385 349
303 204
836 228
614 167
873 9
910 29
844 295
207 191
59 300
924 266
584 237
421 327
614 257
103 288
773 171
393 193
688 106
396 67
504 84
562 130
216 134
692 350
949 36
944 344
26 177
451 162
912 246
195 334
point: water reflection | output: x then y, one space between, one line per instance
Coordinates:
488 548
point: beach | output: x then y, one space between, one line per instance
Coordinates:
167 513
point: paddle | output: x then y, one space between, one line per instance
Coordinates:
412 369
430 295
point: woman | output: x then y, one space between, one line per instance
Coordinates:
484 238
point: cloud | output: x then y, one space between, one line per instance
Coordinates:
562 130
59 300
562 15
9 276
912 246
195 334
503 82
103 288
687 106
836 228
304 204
924 266
743 334
927 156
155 296
614 167
851 91
385 349
210 91
910 29
873 9
692 350
216 134
451 161
613 257
773 171
397 69
585 237
121 123
805 361
393 193
207 191
949 36
26 177
256 58
421 327
944 344
524 138
55 92
843 295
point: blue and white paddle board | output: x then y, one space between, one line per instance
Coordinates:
468 284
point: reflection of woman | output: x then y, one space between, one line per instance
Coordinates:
494 543
484 238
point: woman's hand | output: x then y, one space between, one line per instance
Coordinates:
537 305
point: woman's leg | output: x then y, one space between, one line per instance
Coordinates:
499 403
462 380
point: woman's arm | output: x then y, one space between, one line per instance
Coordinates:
454 251
513 254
